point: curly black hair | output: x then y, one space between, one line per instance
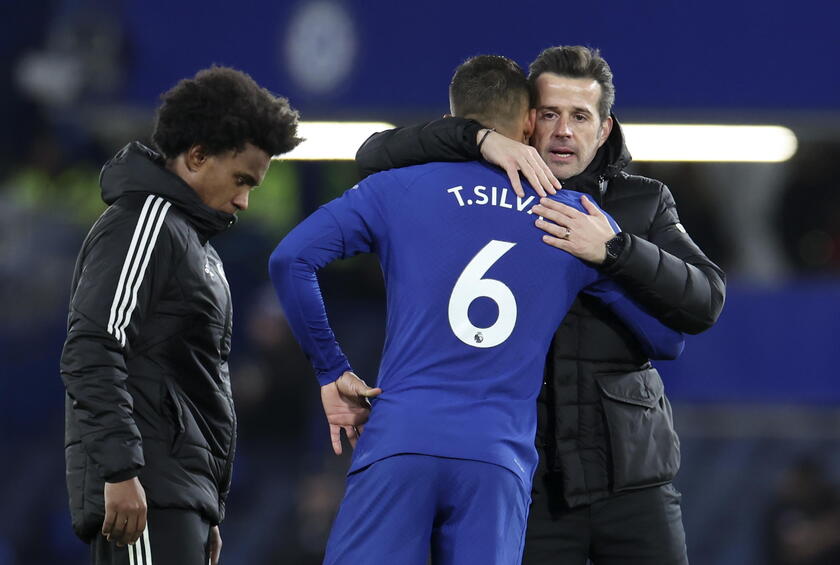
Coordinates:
222 109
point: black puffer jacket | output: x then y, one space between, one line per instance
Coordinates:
145 361
604 421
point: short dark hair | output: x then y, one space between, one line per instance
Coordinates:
577 61
222 109
489 88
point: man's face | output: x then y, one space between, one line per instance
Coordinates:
224 181
568 131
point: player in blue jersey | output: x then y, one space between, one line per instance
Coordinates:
446 460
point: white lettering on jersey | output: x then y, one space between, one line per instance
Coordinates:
495 198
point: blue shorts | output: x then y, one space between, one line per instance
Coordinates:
402 508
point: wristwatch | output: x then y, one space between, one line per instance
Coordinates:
614 248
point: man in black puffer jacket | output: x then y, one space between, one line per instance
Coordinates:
608 449
150 420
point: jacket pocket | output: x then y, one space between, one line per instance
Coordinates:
645 448
175 416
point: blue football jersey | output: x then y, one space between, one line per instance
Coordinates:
473 299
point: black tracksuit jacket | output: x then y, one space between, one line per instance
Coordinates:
145 360
604 423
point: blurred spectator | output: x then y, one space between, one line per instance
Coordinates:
276 393
803 524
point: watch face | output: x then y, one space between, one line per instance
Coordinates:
614 246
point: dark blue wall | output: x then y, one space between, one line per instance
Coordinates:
771 345
714 55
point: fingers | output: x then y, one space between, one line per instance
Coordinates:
546 177
557 230
352 432
370 392
118 531
335 438
108 523
141 527
515 183
348 419
215 546
555 182
352 435
533 179
130 533
555 211
349 384
557 242
126 527
590 206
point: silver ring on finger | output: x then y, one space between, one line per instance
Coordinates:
568 232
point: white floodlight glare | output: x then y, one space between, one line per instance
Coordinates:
332 140
647 142
718 143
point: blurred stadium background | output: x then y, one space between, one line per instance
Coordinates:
756 398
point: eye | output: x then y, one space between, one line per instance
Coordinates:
547 115
240 180
580 117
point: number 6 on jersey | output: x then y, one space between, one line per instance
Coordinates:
470 286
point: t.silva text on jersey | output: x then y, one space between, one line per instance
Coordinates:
493 196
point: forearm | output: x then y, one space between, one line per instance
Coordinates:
685 292
94 374
292 268
446 139
657 340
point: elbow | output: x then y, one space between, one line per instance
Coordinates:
675 349
696 325
709 316
705 319
281 260
669 349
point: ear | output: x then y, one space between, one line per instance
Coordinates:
606 128
530 122
195 157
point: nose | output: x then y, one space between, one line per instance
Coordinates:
241 200
562 128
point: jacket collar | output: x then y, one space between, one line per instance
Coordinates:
612 158
139 169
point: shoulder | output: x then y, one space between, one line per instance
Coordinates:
143 217
638 191
569 198
637 184
431 172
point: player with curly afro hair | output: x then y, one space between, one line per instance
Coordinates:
151 429
222 109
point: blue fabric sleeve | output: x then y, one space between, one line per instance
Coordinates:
334 231
658 341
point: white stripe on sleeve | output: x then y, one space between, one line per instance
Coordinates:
146 255
134 268
126 265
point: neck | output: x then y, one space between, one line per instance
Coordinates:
179 167
501 127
